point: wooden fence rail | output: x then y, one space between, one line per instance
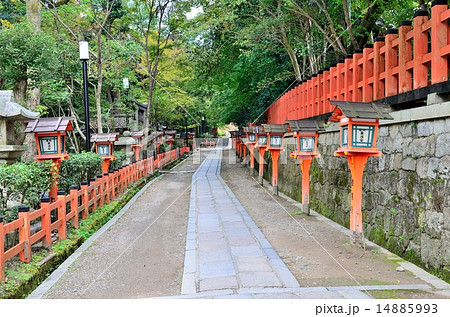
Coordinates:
91 195
412 57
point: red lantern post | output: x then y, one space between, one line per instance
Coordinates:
358 123
261 145
104 143
137 135
306 134
50 136
275 133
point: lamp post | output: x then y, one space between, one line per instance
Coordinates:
306 134
84 57
358 125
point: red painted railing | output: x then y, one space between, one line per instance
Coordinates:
91 195
394 64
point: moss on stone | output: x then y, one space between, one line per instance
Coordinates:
378 236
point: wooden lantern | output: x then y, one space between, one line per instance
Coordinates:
137 135
104 143
170 136
358 124
306 133
275 134
50 136
251 132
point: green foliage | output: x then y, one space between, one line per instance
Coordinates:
78 168
27 55
23 183
120 160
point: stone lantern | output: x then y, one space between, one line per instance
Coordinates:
358 124
11 112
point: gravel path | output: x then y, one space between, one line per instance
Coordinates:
142 254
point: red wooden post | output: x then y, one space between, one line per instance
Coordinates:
357 75
46 222
333 82
107 187
305 165
101 190
439 64
340 79
2 251
356 164
85 200
348 79
420 72
378 68
391 81
261 151
93 194
367 73
61 215
74 204
326 90
275 158
113 183
252 156
404 56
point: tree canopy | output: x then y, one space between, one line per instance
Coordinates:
227 63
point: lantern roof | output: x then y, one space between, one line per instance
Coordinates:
306 125
137 134
56 124
170 132
12 110
104 137
359 110
275 128
253 129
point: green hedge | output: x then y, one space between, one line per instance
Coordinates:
78 168
23 183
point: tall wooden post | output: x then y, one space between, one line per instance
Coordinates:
356 164
305 164
261 151
275 158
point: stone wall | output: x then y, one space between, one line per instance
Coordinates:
406 192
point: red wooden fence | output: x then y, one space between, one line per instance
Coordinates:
96 193
394 64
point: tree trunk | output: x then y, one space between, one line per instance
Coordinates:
33 8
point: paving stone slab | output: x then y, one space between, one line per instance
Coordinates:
259 279
214 256
218 283
216 269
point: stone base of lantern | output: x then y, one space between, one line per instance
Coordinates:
356 237
306 209
275 190
10 153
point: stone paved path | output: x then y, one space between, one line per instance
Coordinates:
224 247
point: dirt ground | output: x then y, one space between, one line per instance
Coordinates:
316 253
142 255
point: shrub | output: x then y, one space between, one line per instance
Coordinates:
78 168
121 158
24 184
